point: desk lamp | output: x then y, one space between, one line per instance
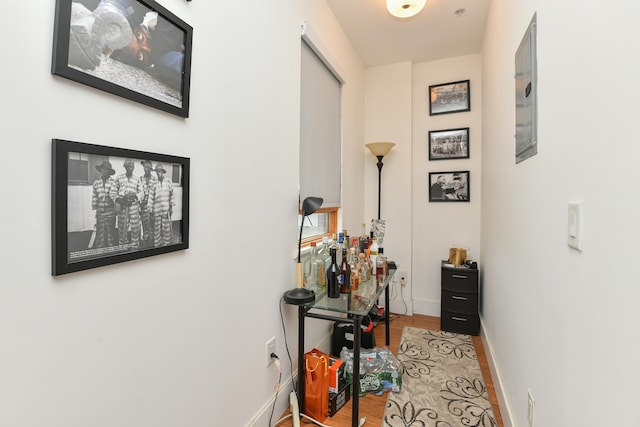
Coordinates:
300 295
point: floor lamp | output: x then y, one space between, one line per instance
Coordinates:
380 149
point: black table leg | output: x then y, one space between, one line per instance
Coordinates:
355 418
386 314
301 315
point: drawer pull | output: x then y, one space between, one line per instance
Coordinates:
459 319
459 276
459 298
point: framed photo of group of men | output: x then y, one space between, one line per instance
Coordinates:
448 144
111 205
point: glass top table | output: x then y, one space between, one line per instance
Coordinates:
358 302
355 306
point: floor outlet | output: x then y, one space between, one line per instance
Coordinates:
530 408
271 348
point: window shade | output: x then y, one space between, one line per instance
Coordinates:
320 141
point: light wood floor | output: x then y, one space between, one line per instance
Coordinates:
372 407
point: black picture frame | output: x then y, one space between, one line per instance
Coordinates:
449 186
160 77
448 144
447 98
87 212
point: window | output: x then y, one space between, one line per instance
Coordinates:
82 169
320 136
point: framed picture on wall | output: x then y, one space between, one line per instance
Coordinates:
449 186
449 98
110 205
449 144
135 49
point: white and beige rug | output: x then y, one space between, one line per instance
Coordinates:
442 384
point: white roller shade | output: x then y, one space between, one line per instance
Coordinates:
320 130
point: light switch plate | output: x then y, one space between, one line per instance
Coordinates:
574 224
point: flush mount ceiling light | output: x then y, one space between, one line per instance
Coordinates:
405 8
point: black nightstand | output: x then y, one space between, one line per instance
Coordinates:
459 302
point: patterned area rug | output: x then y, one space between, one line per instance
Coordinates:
442 385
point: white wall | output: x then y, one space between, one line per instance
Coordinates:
176 339
420 233
563 323
388 118
439 226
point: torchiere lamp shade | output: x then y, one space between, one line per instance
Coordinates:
380 148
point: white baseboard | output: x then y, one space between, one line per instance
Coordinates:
426 307
503 402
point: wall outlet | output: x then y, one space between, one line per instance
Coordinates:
403 278
530 408
271 348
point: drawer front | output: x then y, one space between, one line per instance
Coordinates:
460 323
465 280
460 302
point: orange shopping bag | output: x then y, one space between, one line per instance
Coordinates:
316 385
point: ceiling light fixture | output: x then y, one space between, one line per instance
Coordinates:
405 8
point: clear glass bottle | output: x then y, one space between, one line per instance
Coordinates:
316 277
323 253
333 287
355 273
345 275
363 238
381 266
340 246
365 270
373 251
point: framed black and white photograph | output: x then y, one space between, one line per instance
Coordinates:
449 98
111 205
135 49
449 186
449 144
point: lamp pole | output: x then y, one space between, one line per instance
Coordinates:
379 149
379 182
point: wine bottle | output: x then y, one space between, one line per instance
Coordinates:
333 288
345 275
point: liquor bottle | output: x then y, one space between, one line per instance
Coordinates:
363 238
345 275
355 245
381 266
355 273
373 251
363 268
340 245
317 269
323 252
333 288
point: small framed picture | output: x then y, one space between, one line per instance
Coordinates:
111 205
449 144
135 49
449 186
449 98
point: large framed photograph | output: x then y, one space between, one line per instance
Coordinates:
449 98
111 205
449 144
135 49
449 186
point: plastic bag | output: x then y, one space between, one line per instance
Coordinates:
380 370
